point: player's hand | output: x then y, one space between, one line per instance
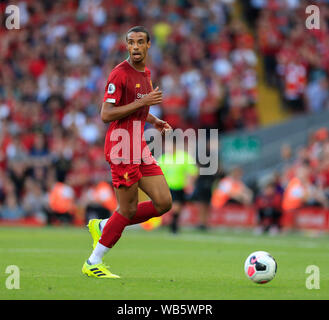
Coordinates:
162 126
154 97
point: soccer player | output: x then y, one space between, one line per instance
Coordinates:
128 96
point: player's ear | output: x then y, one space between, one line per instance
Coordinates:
148 44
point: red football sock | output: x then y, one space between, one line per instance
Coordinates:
145 211
113 229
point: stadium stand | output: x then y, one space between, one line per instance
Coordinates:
53 71
295 58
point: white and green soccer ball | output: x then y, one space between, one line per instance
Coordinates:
260 267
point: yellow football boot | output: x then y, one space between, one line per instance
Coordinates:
99 270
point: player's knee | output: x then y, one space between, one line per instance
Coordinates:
163 205
129 211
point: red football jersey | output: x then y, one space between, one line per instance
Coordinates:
124 140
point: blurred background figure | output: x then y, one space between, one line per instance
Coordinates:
180 171
34 201
300 192
231 189
202 193
61 206
100 201
269 210
11 210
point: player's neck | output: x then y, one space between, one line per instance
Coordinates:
137 66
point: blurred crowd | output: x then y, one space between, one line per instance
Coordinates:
54 68
301 180
296 59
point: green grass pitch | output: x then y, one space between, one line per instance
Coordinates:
157 265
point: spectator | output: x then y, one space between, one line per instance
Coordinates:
300 191
17 173
89 131
317 95
34 200
100 201
11 210
231 189
174 100
39 152
61 204
268 205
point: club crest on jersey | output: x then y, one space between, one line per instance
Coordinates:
111 88
126 176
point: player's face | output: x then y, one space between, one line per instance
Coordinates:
137 46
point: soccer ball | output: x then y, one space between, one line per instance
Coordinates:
260 267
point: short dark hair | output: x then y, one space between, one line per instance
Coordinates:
139 29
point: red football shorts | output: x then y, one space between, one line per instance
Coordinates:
128 174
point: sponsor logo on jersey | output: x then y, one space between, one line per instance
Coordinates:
141 95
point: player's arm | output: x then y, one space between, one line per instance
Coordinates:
158 124
151 118
110 112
